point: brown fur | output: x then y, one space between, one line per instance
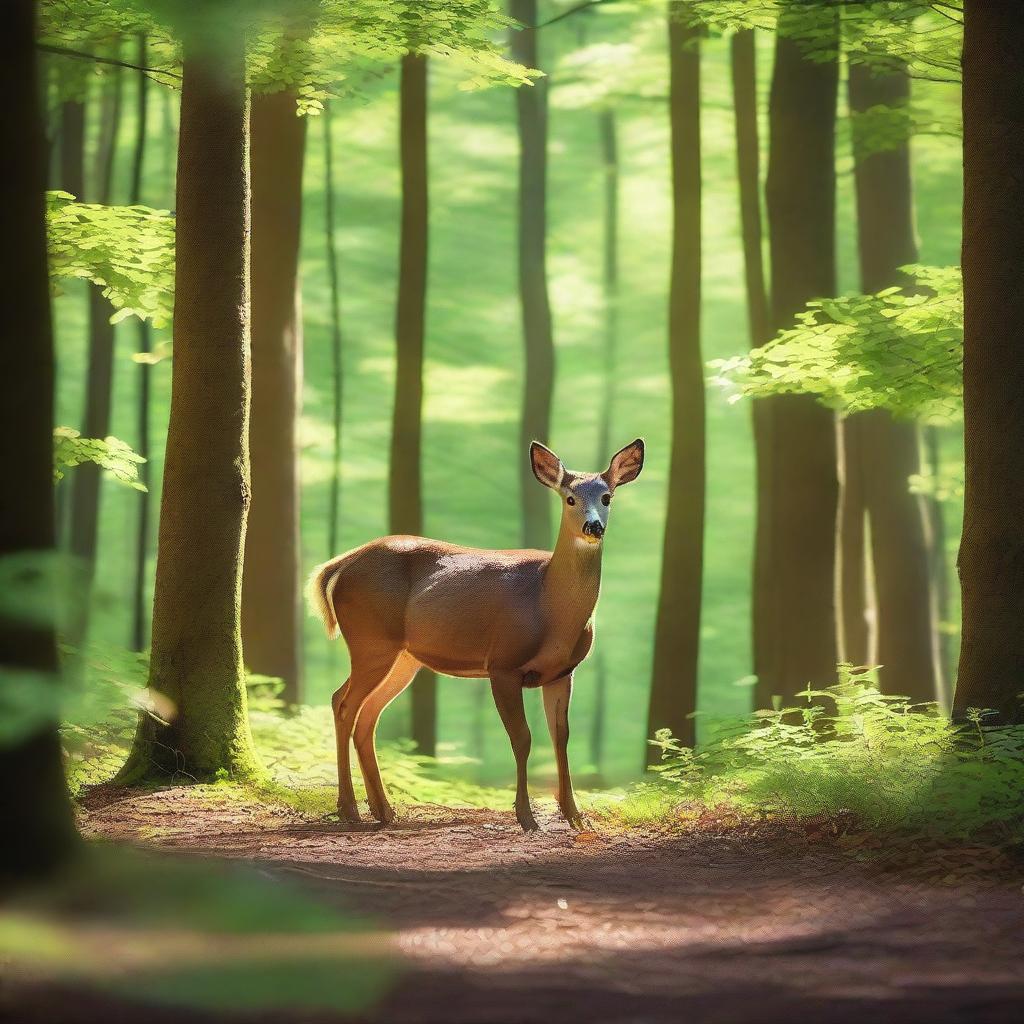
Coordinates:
518 617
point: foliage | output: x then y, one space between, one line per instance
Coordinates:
105 691
127 250
900 349
896 767
159 930
111 454
307 46
924 36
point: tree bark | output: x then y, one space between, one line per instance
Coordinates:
271 605
34 805
140 591
196 659
72 147
337 369
677 633
906 634
854 638
538 386
610 281
405 490
87 481
748 153
798 561
991 560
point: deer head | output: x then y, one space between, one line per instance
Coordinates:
586 497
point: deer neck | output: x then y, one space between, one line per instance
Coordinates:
572 583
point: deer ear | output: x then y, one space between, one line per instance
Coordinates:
626 464
547 466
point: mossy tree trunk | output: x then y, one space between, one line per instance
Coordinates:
677 633
196 660
905 645
538 341
405 488
991 558
34 805
797 560
271 604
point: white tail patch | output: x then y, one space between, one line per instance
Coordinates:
320 595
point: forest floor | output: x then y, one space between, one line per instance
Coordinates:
714 921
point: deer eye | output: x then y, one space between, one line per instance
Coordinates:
570 500
606 499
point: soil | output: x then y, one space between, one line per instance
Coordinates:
717 921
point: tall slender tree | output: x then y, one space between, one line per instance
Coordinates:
796 563
677 638
610 283
538 385
140 602
889 449
337 368
271 604
405 487
992 547
196 660
33 797
86 483
743 66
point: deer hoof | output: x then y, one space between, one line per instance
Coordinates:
348 811
385 815
524 815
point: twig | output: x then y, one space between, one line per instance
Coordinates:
82 55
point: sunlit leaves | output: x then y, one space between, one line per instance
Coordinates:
127 250
848 749
310 47
901 350
117 458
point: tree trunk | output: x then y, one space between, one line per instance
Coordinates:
34 805
196 659
610 281
748 154
854 638
991 560
87 479
538 386
337 376
271 605
72 147
405 490
891 450
140 592
677 635
798 561
938 566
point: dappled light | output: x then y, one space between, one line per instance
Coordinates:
513 512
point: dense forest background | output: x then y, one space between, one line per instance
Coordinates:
605 63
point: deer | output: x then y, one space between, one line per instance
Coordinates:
520 618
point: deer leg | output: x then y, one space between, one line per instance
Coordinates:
556 709
508 697
398 679
346 702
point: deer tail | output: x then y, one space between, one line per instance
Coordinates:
320 594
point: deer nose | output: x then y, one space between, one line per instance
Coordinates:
595 528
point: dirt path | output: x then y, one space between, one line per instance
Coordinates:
711 925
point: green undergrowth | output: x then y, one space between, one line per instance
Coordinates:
879 761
